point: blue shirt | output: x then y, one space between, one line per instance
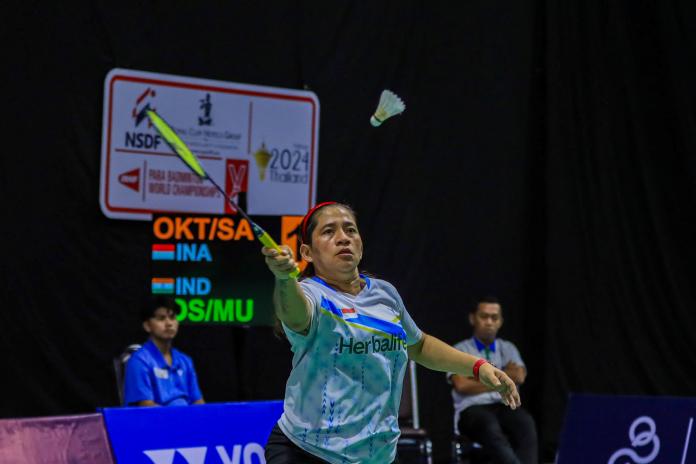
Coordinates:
149 377
342 397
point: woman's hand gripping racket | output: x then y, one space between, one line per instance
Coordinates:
187 156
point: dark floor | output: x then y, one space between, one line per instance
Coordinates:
409 455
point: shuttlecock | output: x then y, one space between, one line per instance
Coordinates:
262 156
389 105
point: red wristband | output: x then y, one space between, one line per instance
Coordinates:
477 366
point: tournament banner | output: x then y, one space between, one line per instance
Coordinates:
260 143
628 430
218 433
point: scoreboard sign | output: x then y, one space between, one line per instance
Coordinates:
213 267
260 143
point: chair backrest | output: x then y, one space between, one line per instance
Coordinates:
408 409
120 367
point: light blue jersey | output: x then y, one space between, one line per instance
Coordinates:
342 397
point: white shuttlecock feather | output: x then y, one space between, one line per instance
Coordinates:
389 105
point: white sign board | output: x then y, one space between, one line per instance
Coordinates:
258 143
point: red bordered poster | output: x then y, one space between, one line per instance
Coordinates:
260 143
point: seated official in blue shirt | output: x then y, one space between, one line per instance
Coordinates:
508 436
157 374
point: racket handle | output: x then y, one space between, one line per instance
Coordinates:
268 242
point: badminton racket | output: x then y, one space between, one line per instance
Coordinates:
190 159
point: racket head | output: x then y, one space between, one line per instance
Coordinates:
178 145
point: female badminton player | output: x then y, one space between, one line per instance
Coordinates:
351 337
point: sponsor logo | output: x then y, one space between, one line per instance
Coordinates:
206 106
373 345
142 140
251 453
645 439
236 182
137 139
142 104
262 157
131 179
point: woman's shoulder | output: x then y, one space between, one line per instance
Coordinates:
380 283
313 283
385 287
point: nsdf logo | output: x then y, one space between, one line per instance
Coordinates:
250 453
136 139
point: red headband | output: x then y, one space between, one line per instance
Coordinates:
309 214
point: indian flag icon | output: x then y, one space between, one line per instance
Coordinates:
162 285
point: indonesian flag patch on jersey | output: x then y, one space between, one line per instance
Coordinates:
349 313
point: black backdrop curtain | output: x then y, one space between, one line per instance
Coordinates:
620 191
546 156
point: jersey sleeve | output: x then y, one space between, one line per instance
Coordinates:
137 383
413 333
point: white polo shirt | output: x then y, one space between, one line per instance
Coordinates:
500 353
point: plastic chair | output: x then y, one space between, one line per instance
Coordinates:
120 368
467 451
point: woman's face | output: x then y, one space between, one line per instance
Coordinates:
336 244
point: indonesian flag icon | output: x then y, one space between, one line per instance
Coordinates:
349 313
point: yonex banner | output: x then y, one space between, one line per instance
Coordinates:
628 430
226 433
